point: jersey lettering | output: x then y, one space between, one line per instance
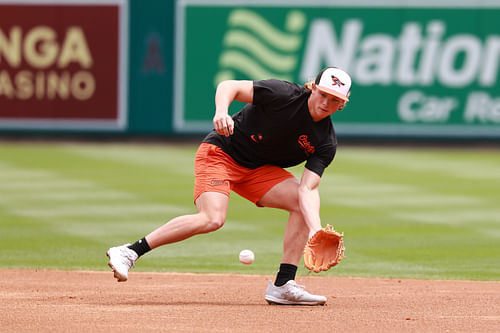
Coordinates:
306 145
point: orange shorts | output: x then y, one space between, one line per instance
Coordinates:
216 171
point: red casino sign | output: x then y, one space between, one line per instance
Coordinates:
63 64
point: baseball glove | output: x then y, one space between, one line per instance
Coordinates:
324 250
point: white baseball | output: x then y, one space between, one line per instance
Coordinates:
247 257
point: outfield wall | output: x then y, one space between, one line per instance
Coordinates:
425 69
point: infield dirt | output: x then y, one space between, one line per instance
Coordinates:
69 301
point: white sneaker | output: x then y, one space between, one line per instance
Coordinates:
291 294
121 259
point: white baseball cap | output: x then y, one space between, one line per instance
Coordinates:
334 81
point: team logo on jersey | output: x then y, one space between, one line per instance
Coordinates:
256 138
336 81
306 145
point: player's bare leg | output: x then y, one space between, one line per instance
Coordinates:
285 291
285 196
295 239
212 209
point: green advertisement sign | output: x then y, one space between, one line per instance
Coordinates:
422 69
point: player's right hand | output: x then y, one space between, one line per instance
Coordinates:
223 124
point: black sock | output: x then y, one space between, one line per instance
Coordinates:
140 247
286 273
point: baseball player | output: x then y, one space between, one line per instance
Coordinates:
283 124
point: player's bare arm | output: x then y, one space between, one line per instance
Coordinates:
227 92
309 200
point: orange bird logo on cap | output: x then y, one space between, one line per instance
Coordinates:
336 81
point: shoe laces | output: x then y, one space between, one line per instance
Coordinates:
295 284
127 258
300 286
296 290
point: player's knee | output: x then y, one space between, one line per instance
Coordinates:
214 223
292 204
291 200
295 206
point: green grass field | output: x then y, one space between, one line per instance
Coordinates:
406 213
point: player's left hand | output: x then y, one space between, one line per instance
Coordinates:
324 250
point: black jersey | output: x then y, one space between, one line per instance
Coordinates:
277 129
